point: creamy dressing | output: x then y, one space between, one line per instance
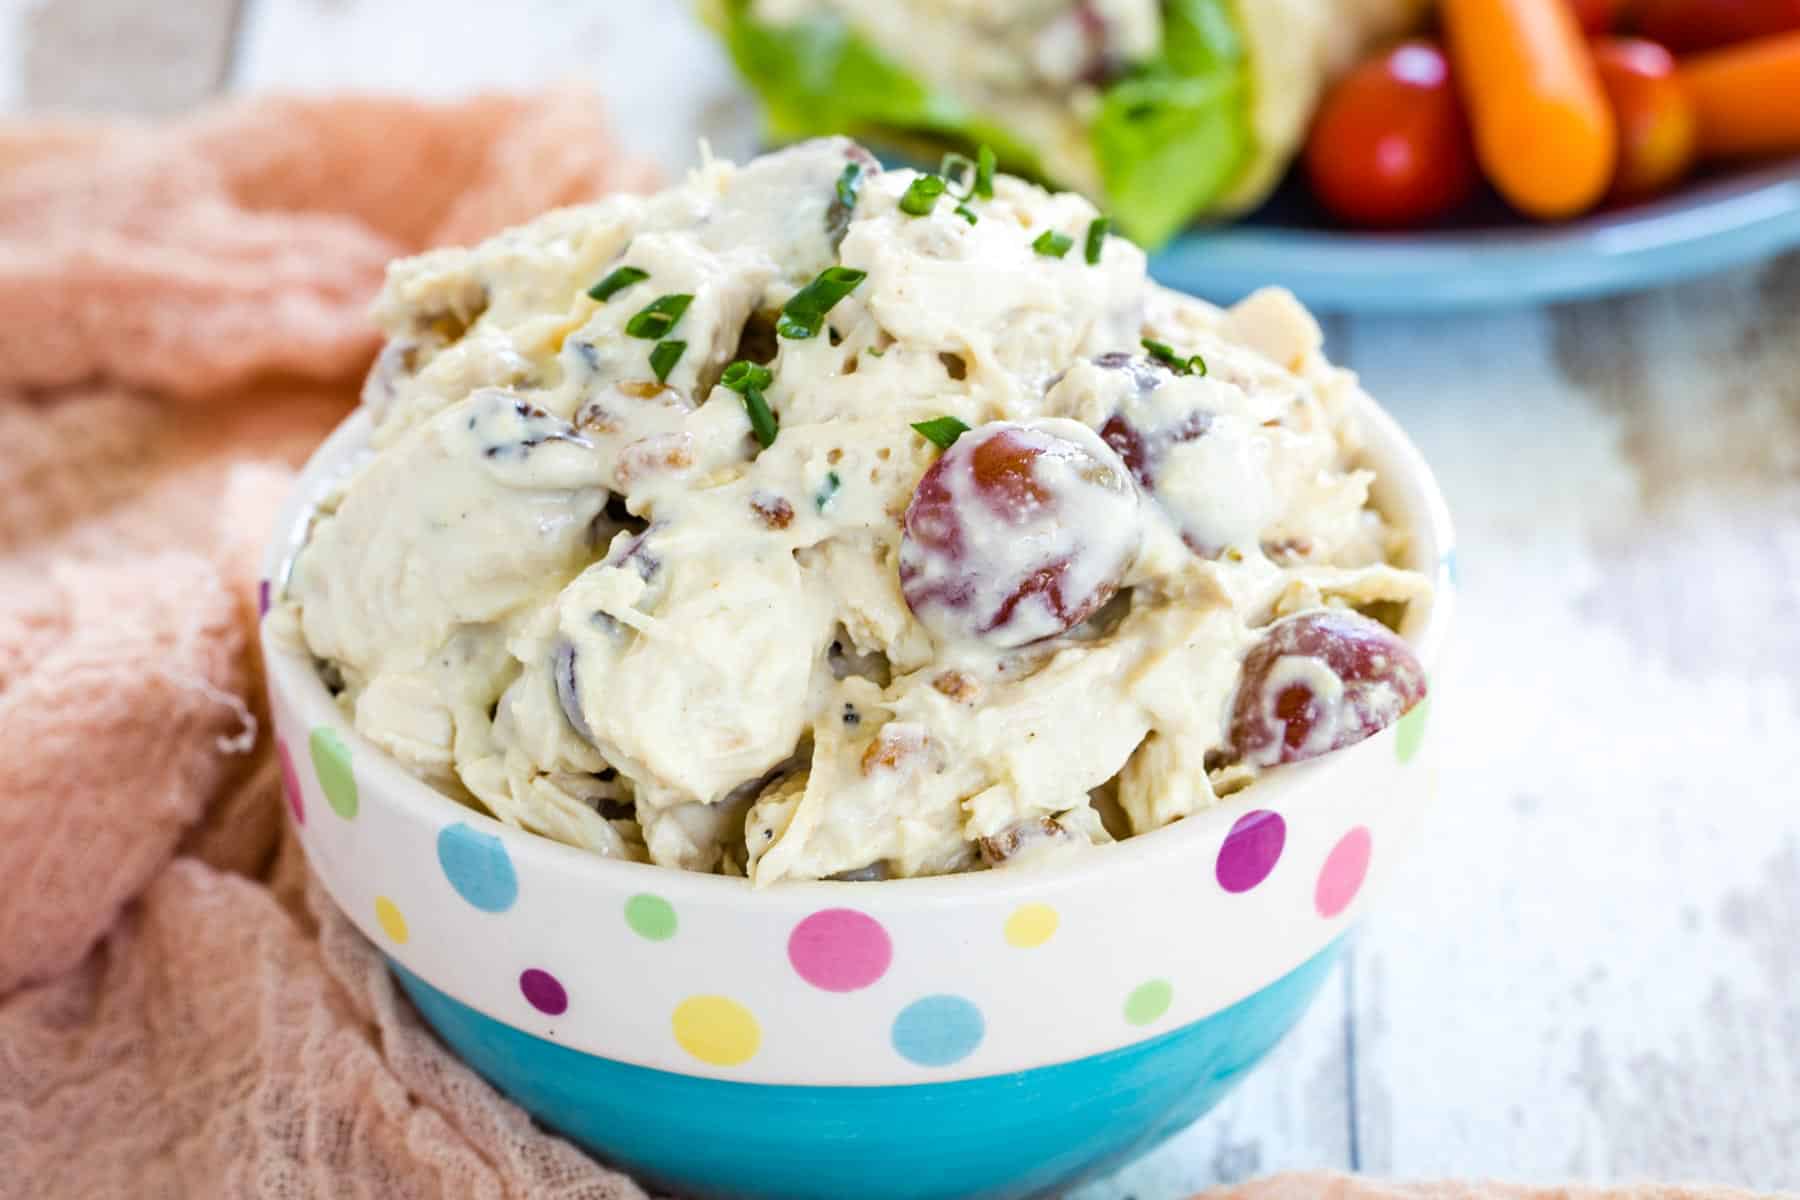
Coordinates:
592 602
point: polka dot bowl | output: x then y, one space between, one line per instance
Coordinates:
998 1034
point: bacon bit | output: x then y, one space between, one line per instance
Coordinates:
1009 841
662 452
775 512
957 686
644 389
895 743
834 456
596 418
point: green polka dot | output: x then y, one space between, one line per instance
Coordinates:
1411 730
1148 1001
650 917
331 760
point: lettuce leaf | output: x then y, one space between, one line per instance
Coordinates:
1169 137
1174 134
821 77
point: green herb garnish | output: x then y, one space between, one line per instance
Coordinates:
941 431
763 422
827 490
804 313
664 357
1163 353
748 380
984 172
921 195
1096 237
658 317
1052 244
962 210
959 172
848 184
617 281
875 352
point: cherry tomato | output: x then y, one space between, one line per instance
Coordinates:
1390 145
1598 16
1655 117
1688 25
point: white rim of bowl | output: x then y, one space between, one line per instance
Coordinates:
1405 491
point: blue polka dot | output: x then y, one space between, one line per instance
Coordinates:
1449 567
936 1031
478 868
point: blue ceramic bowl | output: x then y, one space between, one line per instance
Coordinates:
998 1034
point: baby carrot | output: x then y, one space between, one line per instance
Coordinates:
1543 131
1747 96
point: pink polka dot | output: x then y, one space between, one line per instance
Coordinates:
1342 876
544 991
840 950
1251 850
290 782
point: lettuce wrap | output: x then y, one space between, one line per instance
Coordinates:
1166 111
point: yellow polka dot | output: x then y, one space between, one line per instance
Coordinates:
1031 925
716 1030
392 923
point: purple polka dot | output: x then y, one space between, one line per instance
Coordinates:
262 598
290 781
544 991
1251 850
840 950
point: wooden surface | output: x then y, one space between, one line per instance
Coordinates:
1591 970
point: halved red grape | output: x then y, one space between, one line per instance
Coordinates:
1143 450
1018 532
1319 681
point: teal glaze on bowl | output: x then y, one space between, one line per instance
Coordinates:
999 1137
1705 228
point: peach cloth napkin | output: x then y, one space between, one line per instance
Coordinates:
182 1014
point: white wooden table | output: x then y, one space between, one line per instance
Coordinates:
1591 970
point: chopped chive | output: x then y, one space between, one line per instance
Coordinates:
848 184
984 172
921 195
941 431
744 374
1098 228
962 210
804 313
762 421
1165 354
875 352
617 281
658 317
664 357
959 171
827 490
748 379
1052 244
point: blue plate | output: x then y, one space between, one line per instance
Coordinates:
1706 227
